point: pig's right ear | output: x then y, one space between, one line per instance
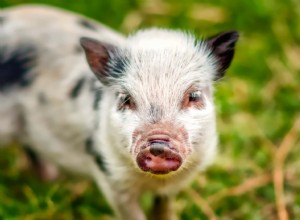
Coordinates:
222 46
98 55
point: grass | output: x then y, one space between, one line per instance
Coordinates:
256 175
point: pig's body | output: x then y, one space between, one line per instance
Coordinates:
54 104
58 83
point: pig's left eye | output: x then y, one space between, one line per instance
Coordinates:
126 102
193 99
195 96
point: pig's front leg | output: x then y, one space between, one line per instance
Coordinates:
127 208
162 208
123 202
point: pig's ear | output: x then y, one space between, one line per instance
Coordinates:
222 46
98 55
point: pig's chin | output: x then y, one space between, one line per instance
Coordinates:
163 163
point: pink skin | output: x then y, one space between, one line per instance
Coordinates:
162 164
160 148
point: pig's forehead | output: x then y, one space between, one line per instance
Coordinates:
156 39
168 56
160 40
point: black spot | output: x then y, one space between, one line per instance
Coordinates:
89 145
97 99
87 24
90 149
93 86
77 88
42 98
2 19
15 66
100 163
117 66
96 91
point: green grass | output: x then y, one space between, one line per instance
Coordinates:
257 172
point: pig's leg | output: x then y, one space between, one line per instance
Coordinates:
128 208
44 170
162 208
124 202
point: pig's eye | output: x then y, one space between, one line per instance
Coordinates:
126 102
193 99
195 96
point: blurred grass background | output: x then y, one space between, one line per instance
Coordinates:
257 172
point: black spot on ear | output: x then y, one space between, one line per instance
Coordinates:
99 159
97 99
87 24
117 66
222 46
75 92
42 98
15 66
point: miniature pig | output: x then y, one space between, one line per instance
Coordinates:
135 114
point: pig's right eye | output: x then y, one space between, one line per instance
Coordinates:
126 102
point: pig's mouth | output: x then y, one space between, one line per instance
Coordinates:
158 157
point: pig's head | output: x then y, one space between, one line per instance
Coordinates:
159 91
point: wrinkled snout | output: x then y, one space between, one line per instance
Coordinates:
160 148
158 157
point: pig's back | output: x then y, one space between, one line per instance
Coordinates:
45 81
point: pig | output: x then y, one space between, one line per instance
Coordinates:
135 114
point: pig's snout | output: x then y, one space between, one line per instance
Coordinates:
158 157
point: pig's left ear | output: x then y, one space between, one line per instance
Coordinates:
222 46
98 55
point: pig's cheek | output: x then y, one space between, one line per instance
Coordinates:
182 147
137 146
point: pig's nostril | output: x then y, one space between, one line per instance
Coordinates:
157 148
148 158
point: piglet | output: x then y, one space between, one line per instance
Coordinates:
135 114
